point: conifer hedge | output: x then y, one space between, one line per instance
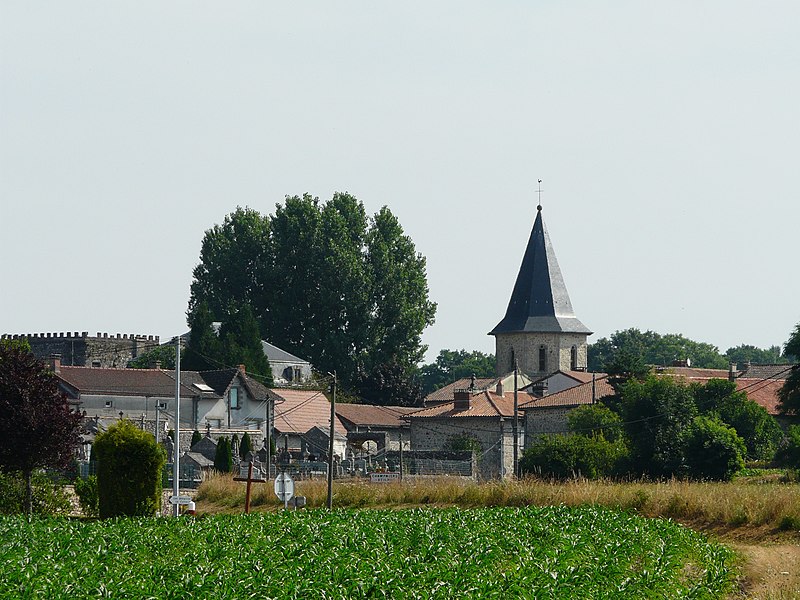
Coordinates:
129 466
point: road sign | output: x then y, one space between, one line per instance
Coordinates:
180 499
284 487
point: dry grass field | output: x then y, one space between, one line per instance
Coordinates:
758 516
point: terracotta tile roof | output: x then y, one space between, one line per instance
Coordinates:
766 371
365 415
762 392
128 382
574 396
445 394
297 411
484 403
693 373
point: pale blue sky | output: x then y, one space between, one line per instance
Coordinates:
666 135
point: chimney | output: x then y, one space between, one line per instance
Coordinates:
55 363
499 390
462 399
732 372
242 370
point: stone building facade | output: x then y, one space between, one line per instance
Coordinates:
82 350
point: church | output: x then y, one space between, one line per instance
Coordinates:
540 332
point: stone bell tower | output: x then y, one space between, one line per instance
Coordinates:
540 330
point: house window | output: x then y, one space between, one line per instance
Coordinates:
297 371
233 397
95 363
542 359
109 404
573 358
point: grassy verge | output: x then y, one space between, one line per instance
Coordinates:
553 552
752 503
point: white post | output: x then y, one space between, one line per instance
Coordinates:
176 455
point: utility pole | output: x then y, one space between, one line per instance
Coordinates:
514 423
401 454
268 435
330 444
176 456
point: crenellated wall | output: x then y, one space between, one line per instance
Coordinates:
82 350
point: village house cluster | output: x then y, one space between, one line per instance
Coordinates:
466 428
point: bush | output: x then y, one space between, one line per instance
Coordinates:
788 453
713 450
566 456
196 437
49 498
129 465
223 458
594 420
86 490
246 445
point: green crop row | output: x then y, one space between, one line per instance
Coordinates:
554 552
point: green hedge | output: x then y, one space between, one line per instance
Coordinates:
129 465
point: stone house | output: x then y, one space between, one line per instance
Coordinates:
447 393
383 425
82 350
560 381
547 415
296 411
482 420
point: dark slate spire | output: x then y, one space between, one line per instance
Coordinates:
540 302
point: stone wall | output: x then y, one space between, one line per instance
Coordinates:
526 349
545 421
493 436
81 350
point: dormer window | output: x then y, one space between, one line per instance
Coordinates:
233 397
542 359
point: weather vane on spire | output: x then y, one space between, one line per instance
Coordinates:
539 191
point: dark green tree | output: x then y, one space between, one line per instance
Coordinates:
223 458
656 411
596 420
451 365
389 384
165 355
204 349
246 445
718 398
196 437
653 349
744 353
235 265
240 344
38 427
713 450
324 282
129 466
790 392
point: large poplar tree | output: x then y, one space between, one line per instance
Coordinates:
346 291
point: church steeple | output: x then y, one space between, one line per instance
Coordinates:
540 302
540 328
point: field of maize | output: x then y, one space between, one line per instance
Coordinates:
551 552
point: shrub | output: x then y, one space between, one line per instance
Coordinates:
246 445
595 420
49 498
86 490
713 450
565 456
129 465
196 437
223 458
788 454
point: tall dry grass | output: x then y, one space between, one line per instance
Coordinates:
735 504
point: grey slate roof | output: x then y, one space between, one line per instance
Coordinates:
275 354
540 302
